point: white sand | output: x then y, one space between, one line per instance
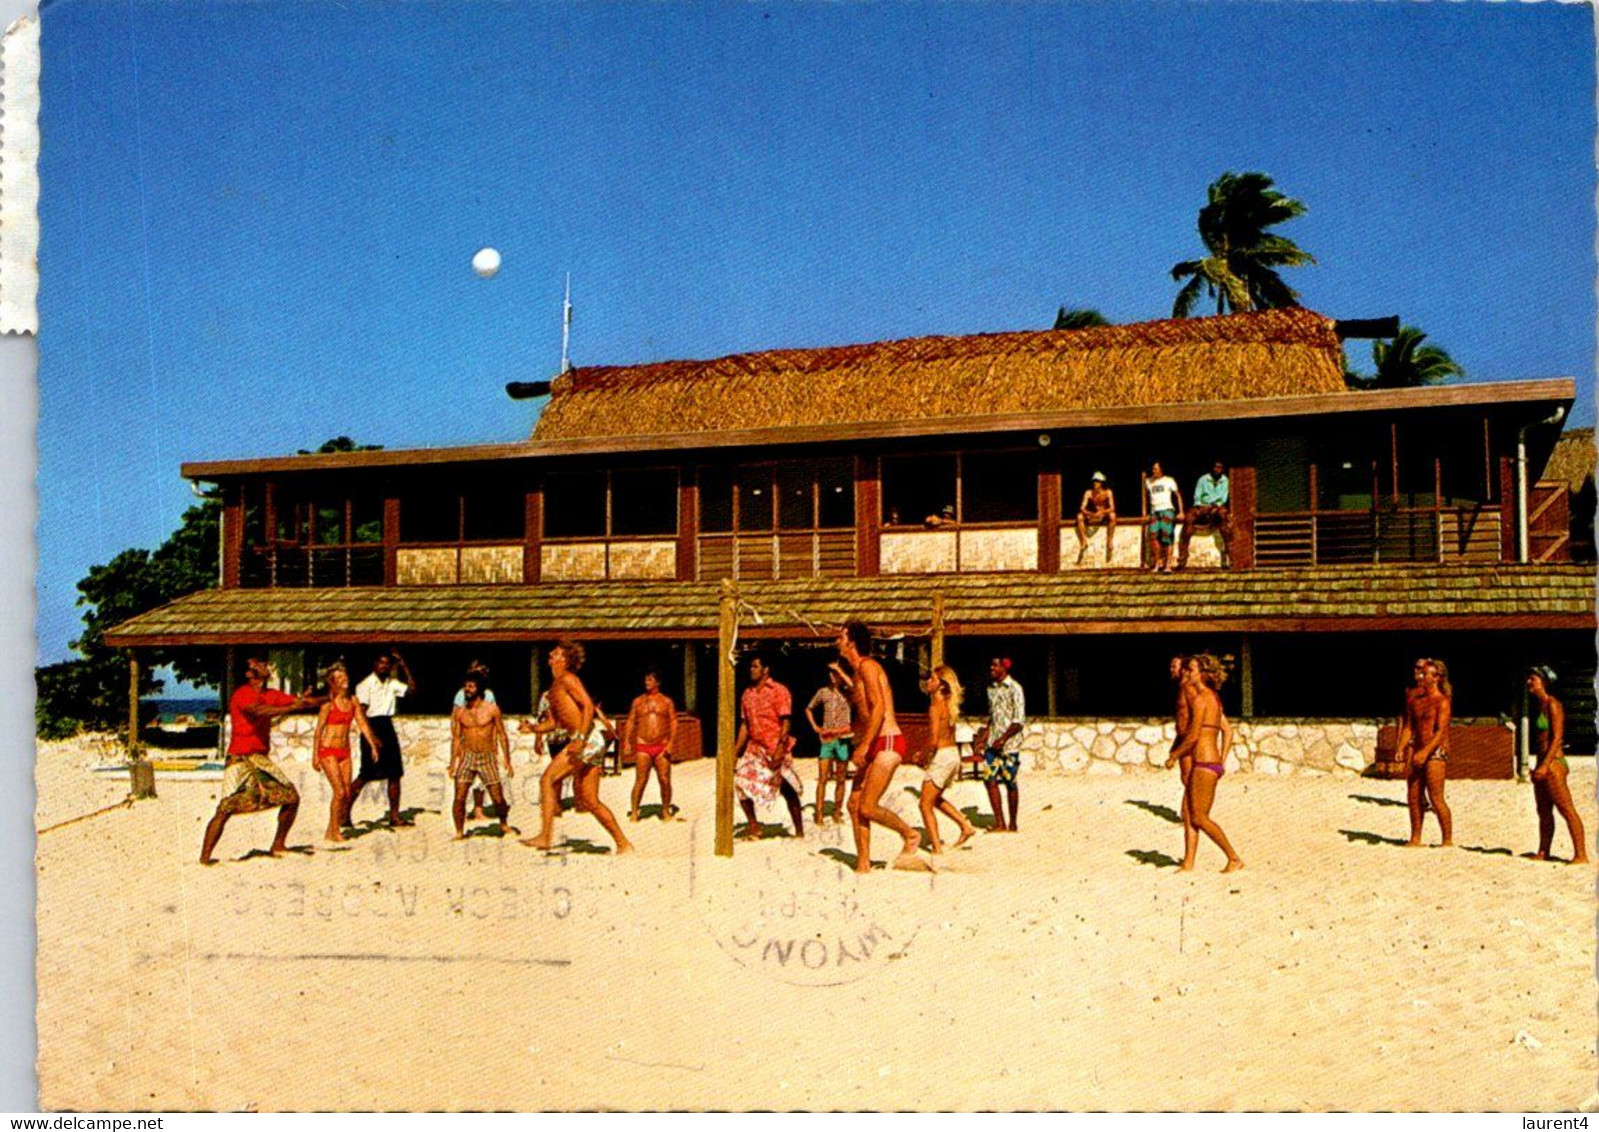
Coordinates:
1066 967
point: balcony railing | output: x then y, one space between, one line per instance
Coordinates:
316 566
826 553
1404 534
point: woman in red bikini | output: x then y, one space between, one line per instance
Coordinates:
1550 790
332 741
1206 724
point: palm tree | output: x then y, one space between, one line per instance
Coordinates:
1240 269
1405 363
1079 319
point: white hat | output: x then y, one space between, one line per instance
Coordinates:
1099 477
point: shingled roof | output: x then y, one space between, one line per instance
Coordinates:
1349 598
1272 353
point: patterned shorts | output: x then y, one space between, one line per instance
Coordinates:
478 764
254 782
1000 767
1162 526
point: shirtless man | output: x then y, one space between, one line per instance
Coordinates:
877 755
1186 693
477 741
1423 737
1098 508
649 734
579 748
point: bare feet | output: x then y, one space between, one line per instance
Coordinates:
624 847
208 860
1582 860
504 829
1233 866
459 837
1537 856
910 862
966 835
539 842
750 833
632 815
1413 845
1446 845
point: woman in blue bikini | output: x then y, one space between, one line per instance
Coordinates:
1206 724
1550 789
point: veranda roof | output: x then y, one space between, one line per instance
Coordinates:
1090 601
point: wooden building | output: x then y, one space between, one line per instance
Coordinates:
1368 527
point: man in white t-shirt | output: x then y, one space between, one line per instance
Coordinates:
380 694
1165 512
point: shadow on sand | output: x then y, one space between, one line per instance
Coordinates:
1370 800
1153 857
1366 838
259 854
1166 813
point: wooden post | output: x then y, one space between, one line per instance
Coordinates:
533 537
1052 674
229 666
1049 508
141 773
232 535
868 517
726 688
1246 678
938 630
688 529
535 679
691 677
391 540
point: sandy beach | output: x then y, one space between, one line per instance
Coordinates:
1069 966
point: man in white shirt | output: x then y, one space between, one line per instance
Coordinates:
1165 512
380 694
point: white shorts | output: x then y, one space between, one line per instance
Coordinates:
945 766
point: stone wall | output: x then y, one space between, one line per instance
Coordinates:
1049 746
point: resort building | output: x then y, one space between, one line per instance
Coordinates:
891 479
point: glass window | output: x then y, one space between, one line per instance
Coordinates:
329 520
716 499
366 519
755 499
497 514
796 492
253 499
916 487
430 515
574 505
644 502
835 493
291 516
999 487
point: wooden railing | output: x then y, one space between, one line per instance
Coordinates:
318 566
778 554
1404 534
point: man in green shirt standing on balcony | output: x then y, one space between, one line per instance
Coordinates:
1211 509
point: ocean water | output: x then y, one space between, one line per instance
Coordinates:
168 710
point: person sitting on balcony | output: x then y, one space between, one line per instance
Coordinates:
944 518
1097 509
1211 510
1165 512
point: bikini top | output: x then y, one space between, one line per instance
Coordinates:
1541 723
339 717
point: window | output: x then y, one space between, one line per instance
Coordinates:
716 500
497 514
754 498
430 515
574 505
366 519
835 493
915 487
999 487
644 502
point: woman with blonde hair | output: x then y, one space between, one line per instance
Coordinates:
1207 739
1550 790
943 758
331 741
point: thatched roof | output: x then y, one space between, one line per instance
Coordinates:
1327 599
1572 460
1258 354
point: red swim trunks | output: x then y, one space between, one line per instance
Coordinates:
889 744
650 749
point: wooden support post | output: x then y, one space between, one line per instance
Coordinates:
535 678
1052 674
938 630
1246 678
691 677
725 692
141 773
229 667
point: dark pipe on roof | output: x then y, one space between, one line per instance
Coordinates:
526 390
1367 327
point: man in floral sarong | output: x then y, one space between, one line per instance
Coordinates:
765 750
252 781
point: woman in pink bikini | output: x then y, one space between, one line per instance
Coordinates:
332 741
1207 724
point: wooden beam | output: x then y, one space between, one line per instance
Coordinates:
1552 390
133 703
1246 677
232 535
1243 503
1049 507
937 635
868 517
727 689
391 540
688 526
533 534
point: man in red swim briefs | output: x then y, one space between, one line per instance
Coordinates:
648 735
877 755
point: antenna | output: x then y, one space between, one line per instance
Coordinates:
566 327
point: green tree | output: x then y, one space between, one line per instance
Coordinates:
1079 319
1405 363
1242 258
91 691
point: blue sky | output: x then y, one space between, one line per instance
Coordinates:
258 218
